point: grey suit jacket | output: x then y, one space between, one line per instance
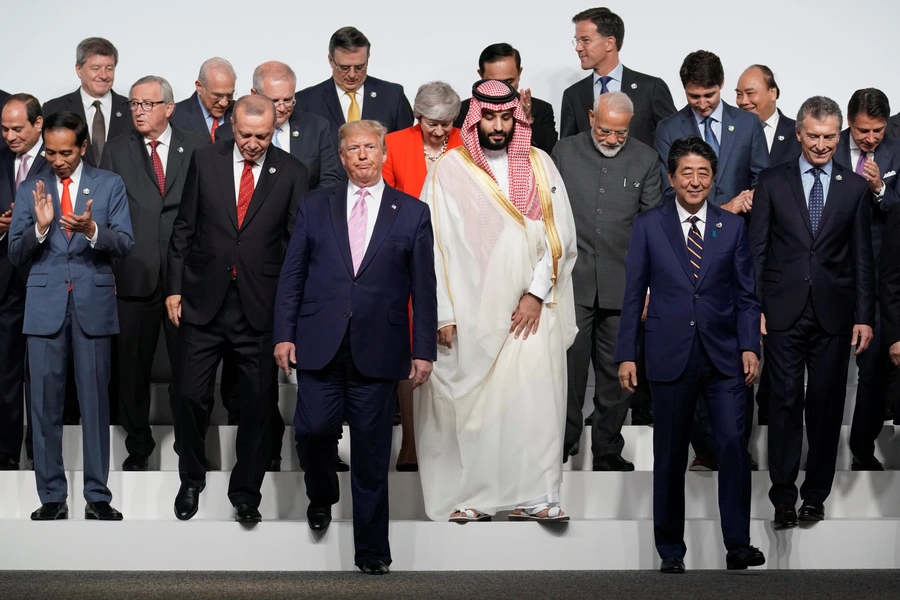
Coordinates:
605 195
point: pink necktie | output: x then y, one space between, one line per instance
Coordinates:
861 163
356 225
23 170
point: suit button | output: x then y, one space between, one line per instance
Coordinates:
355 284
238 242
692 323
602 190
806 278
604 169
598 232
813 253
600 211
346 315
229 268
67 281
696 296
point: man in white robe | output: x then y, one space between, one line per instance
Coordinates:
490 421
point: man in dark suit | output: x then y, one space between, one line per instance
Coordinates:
358 253
104 111
350 94
152 161
233 225
20 157
812 247
210 106
865 149
588 162
4 96
69 225
894 126
702 338
757 92
599 34
504 63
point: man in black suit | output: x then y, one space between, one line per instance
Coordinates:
504 63
865 149
599 34
152 161
350 94
225 255
812 248
210 106
22 155
104 111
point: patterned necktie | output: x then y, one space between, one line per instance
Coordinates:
861 163
245 193
356 226
695 246
23 170
353 111
709 135
157 167
603 82
212 129
816 199
98 132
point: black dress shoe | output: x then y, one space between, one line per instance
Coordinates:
318 517
866 463
812 511
51 511
641 417
187 501
341 466
704 462
8 462
748 556
589 420
247 513
101 511
375 566
71 420
274 466
408 467
571 451
136 462
612 462
672 565
754 466
785 516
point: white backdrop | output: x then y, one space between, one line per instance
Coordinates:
814 46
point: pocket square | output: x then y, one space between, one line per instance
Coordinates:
889 174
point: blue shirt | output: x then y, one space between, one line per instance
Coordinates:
614 84
716 117
208 117
808 180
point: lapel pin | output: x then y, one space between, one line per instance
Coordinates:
731 128
637 184
43 154
85 191
180 150
394 206
838 177
271 170
373 94
553 190
634 86
295 133
780 138
118 114
718 226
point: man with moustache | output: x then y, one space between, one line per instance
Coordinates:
152 160
210 106
757 92
225 254
610 178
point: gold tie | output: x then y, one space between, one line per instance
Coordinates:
353 111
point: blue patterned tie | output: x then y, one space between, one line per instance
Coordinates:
695 246
603 81
816 199
709 135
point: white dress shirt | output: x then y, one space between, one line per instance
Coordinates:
345 99
684 215
165 142
89 110
78 198
854 157
716 117
283 134
770 125
614 84
239 169
373 205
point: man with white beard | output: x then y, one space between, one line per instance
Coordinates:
610 178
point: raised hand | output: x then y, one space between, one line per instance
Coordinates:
43 208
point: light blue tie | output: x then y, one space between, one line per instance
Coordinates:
816 199
709 135
275 138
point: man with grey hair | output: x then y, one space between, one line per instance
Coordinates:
104 111
152 160
610 178
210 105
812 247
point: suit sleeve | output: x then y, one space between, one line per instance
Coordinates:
760 228
663 107
404 116
651 194
292 282
544 131
329 165
300 189
889 281
637 280
23 242
745 299
116 235
759 152
891 198
567 124
423 285
183 229
663 144
864 261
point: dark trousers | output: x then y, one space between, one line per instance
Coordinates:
47 357
763 393
199 350
673 407
805 346
702 438
325 398
139 322
229 391
12 367
874 366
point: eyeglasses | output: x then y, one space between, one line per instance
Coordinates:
585 41
219 97
285 103
605 133
347 68
146 105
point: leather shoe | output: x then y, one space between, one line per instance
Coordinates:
866 463
704 462
51 511
341 466
375 566
136 462
754 466
672 565
589 420
612 462
571 451
812 511
274 466
101 511
641 416
8 462
318 517
187 501
748 556
785 516
247 513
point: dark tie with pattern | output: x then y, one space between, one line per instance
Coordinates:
157 167
695 246
709 135
816 199
98 133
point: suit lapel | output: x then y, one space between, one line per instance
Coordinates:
710 241
269 174
794 180
136 146
338 204
225 172
727 136
689 123
330 97
370 105
79 199
386 215
586 94
175 159
675 234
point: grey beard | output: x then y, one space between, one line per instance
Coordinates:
607 152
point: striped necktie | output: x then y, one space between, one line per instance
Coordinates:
695 246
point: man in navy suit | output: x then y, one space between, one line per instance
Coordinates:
21 156
866 150
702 338
812 247
212 102
70 225
359 251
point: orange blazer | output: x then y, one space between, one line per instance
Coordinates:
405 167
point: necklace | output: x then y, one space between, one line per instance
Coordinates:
433 158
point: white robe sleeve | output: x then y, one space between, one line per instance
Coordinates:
542 282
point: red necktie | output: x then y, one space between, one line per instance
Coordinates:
65 206
212 130
245 193
157 167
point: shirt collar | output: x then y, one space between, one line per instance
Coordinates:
206 113
341 91
165 139
376 191
35 150
615 74
684 215
238 158
88 100
773 120
805 166
716 114
75 176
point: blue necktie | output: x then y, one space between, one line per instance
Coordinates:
816 199
709 135
603 81
695 246
275 138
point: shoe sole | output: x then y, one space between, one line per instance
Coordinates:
811 518
783 526
740 566
88 517
59 517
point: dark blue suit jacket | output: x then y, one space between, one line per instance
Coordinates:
720 305
785 146
742 150
318 294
